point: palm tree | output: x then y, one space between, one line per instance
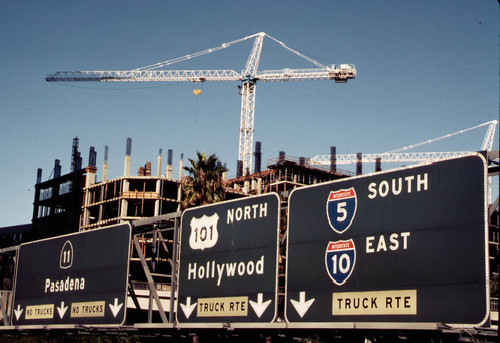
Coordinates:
206 184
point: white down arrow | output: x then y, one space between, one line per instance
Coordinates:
18 312
115 308
188 308
302 306
62 310
259 307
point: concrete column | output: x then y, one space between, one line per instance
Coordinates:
181 167
157 201
158 168
169 173
378 164
359 163
124 202
105 164
333 159
126 169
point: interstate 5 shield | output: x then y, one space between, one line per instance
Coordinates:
403 246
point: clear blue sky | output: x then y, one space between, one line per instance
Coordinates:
425 69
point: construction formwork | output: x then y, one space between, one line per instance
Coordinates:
127 199
283 174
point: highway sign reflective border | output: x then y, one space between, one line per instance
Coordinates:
415 251
79 279
228 262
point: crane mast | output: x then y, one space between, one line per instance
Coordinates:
248 78
248 107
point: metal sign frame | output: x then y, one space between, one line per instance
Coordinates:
241 241
339 246
82 289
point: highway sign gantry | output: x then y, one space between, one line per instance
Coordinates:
228 262
403 246
76 279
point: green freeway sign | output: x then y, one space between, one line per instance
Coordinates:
228 262
79 278
403 246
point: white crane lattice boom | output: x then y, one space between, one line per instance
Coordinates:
397 156
248 78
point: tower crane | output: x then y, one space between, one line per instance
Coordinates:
399 156
248 78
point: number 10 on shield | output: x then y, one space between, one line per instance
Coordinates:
340 258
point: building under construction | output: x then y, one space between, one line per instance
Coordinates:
151 203
77 201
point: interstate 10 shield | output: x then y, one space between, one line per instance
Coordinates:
403 246
340 258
